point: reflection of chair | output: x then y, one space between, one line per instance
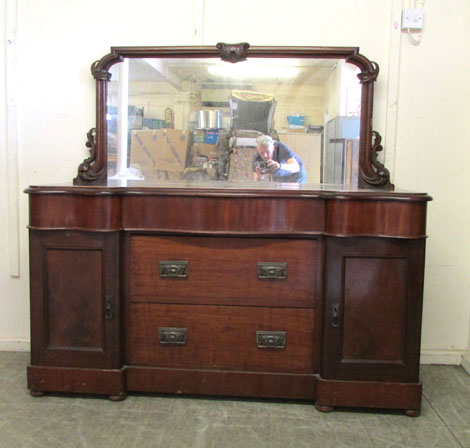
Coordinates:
252 111
241 163
251 115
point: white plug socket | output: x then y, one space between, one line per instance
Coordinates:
412 19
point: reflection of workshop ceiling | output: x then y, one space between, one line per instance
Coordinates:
141 70
313 72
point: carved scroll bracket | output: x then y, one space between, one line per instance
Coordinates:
85 169
369 69
381 175
100 74
368 76
233 52
99 69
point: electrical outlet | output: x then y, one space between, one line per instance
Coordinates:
412 19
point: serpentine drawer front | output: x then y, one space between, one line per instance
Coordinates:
222 337
223 270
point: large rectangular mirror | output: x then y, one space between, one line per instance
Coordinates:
235 114
197 119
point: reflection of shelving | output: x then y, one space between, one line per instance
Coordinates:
345 161
341 151
135 119
308 148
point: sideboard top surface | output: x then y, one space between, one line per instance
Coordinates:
229 189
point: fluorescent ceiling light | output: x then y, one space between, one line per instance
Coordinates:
250 70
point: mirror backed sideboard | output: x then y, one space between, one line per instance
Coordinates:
195 282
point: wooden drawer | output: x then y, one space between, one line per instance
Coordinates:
223 270
221 337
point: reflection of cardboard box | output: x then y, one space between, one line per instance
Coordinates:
143 151
162 149
204 149
172 149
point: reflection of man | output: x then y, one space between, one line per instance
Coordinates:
277 161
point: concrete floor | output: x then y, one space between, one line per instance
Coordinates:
163 421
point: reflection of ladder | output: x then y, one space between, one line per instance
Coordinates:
345 161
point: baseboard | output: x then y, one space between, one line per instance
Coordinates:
466 361
449 357
14 345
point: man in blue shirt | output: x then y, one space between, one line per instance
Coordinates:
278 161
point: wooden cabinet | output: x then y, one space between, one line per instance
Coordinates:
304 294
75 308
372 309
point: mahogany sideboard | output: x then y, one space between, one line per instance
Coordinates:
298 293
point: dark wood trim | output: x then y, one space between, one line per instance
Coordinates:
233 52
319 304
76 380
214 190
108 210
58 211
223 382
94 169
374 218
369 394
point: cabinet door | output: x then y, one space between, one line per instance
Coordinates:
372 310
74 299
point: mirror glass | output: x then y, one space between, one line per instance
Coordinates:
194 119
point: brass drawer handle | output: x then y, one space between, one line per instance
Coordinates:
277 270
175 336
173 268
271 339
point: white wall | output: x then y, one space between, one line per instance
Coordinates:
433 154
58 39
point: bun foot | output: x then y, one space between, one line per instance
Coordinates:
324 408
118 397
413 412
37 393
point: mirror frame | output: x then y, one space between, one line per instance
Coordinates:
372 173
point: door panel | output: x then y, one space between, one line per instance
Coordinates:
374 308
75 314
373 303
74 299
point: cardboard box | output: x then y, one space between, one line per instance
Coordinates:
204 149
159 150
